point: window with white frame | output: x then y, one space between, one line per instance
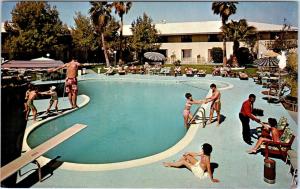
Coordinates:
186 53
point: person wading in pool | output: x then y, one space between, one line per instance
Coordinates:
200 168
215 100
187 116
71 80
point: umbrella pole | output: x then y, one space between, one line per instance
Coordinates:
279 85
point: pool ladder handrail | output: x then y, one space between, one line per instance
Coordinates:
203 117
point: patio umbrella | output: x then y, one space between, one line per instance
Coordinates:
155 56
42 59
267 62
271 53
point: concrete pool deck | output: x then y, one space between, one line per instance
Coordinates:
236 168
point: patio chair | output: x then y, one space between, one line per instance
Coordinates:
223 72
189 74
164 71
280 148
277 93
243 76
201 73
167 71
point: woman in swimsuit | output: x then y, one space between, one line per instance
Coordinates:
270 126
187 116
200 168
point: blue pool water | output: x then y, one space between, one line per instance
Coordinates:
126 120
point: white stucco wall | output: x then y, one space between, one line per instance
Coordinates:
198 48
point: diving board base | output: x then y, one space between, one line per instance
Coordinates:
35 153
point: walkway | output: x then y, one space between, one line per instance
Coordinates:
236 168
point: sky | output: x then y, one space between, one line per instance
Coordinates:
188 11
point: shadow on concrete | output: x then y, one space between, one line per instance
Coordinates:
43 115
222 119
271 100
253 133
213 166
33 178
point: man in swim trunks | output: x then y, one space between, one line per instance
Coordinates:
31 96
200 168
71 81
215 100
30 87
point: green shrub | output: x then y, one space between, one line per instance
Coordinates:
217 54
292 68
243 56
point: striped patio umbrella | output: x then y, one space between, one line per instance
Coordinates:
267 62
155 56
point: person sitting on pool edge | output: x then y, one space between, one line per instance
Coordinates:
187 116
271 126
200 168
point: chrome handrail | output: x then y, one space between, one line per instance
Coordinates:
203 116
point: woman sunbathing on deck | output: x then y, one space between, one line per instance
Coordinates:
200 168
187 116
271 126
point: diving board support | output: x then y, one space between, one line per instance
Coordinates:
35 153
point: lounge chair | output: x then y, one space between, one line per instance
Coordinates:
280 148
167 71
281 95
189 74
122 72
223 72
243 76
162 71
177 71
110 71
201 73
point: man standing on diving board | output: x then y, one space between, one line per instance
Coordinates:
71 81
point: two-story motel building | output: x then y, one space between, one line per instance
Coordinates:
191 42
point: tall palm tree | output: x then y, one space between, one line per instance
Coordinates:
100 16
237 31
121 8
224 9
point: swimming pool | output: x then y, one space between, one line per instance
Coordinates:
126 120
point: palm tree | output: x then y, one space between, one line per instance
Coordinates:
121 8
100 16
237 31
224 9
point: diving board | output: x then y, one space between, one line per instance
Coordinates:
35 153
